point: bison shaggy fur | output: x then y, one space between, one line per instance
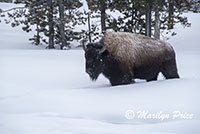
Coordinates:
122 57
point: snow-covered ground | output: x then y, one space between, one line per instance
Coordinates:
48 92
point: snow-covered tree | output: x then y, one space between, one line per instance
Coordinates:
148 16
50 18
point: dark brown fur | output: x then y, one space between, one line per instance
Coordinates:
128 56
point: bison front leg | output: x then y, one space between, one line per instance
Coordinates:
122 80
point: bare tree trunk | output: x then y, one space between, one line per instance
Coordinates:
148 18
171 13
51 25
62 24
157 25
89 27
157 21
103 16
38 35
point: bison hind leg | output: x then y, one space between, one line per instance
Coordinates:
169 70
154 78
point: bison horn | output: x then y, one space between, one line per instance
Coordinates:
84 47
102 50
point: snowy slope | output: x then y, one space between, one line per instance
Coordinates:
48 92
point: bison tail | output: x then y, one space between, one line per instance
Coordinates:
169 69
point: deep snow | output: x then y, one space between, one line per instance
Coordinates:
48 92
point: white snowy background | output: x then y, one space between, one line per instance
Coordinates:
48 92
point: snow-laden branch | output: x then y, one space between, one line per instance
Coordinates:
3 11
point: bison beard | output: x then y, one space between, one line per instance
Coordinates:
122 57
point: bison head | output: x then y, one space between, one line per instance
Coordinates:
94 55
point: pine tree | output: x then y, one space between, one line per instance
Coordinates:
131 18
171 13
51 18
148 16
99 6
34 16
69 17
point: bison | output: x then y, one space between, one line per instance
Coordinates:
122 57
